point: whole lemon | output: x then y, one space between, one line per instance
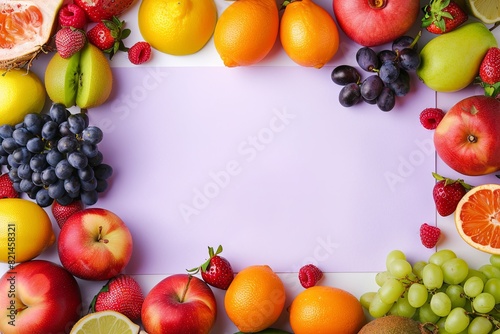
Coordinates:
177 27
25 230
21 93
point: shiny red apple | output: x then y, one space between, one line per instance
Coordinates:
39 296
179 304
375 22
94 244
468 137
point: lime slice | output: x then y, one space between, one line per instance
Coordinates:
110 322
488 11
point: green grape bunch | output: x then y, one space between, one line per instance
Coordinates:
442 291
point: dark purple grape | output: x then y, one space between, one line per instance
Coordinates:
403 42
374 101
409 59
345 74
388 72
371 87
386 55
386 100
401 86
367 59
349 95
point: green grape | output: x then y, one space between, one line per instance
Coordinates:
432 276
480 325
425 314
402 308
366 298
381 277
455 291
441 323
457 320
495 260
441 256
440 304
417 295
473 286
483 303
490 271
391 291
394 254
492 287
496 332
477 273
400 268
378 308
418 267
455 270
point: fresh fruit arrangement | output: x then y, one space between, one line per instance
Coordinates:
54 169
444 291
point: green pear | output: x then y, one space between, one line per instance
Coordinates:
450 62
85 79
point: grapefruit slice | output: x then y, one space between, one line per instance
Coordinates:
477 218
25 27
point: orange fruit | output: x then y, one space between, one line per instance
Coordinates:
246 31
255 298
477 218
326 310
308 33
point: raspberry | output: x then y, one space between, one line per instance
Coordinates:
139 53
309 275
429 235
72 15
430 117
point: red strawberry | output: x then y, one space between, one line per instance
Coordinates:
69 41
98 10
309 275
71 15
62 212
443 16
139 53
447 193
108 36
121 294
429 235
216 271
6 188
489 72
430 117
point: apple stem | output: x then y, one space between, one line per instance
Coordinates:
185 289
99 237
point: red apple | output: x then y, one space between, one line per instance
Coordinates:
94 244
179 304
39 296
375 22
468 137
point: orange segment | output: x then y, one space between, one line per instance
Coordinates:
17 27
477 218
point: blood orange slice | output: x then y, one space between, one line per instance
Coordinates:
25 27
477 218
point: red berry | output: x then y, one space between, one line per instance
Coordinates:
447 193
489 70
139 53
309 275
216 271
430 117
108 36
62 212
429 235
6 187
443 16
69 41
72 15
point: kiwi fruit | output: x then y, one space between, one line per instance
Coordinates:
394 324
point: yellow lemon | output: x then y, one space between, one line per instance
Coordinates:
177 27
487 11
25 230
21 93
110 322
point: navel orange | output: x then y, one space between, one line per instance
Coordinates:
308 33
326 310
477 218
246 31
255 298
